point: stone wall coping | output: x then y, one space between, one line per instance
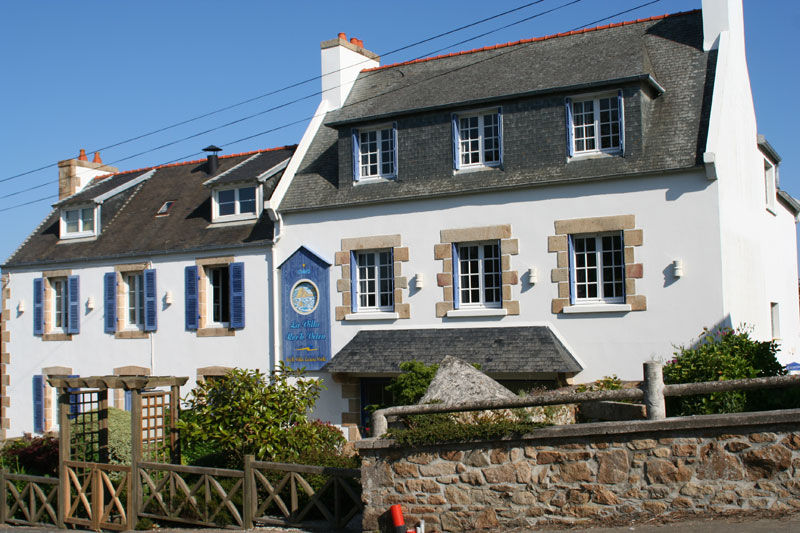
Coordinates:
735 421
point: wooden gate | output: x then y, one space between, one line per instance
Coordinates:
98 495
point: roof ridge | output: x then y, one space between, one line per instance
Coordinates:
532 39
194 161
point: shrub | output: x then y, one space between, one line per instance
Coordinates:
35 456
427 430
720 355
607 383
410 386
119 437
247 412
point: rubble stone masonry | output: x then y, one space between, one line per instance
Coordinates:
583 474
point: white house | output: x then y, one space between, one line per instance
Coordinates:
547 211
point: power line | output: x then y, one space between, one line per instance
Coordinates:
308 118
281 89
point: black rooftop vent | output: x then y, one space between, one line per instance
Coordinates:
213 161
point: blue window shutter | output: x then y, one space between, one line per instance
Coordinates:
127 400
38 306
236 274
456 279
353 282
456 158
190 298
110 302
74 304
394 140
500 132
150 300
38 403
356 156
570 127
621 112
571 259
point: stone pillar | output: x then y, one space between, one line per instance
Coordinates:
654 391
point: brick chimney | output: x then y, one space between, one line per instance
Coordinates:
341 63
75 174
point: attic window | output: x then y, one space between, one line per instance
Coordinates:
79 222
164 210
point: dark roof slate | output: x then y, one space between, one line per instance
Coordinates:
668 50
524 349
253 167
129 225
101 186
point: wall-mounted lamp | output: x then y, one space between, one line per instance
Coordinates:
90 303
168 298
533 275
21 307
677 268
419 281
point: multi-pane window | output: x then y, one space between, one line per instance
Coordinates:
60 303
78 222
596 125
134 284
598 268
219 294
375 280
237 202
376 153
479 275
479 139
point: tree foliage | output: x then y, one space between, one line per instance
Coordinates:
248 412
724 354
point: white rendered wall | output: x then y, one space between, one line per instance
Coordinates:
759 249
176 351
674 211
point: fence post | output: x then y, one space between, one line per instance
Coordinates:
134 496
4 503
64 438
654 391
249 492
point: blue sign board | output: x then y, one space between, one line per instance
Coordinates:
305 310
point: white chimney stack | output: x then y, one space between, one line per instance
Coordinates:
341 63
720 16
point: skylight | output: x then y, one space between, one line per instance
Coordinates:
164 211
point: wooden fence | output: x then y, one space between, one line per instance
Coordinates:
33 500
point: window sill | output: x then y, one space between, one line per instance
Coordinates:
222 223
477 168
216 332
373 179
470 313
131 334
49 337
597 308
372 316
594 155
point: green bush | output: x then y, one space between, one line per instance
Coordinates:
720 355
439 428
410 386
119 438
36 456
247 412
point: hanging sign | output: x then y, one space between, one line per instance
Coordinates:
305 310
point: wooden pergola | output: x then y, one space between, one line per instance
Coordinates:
71 391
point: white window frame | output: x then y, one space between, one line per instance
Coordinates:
237 214
596 125
380 131
770 184
599 267
482 261
376 276
211 291
59 287
481 139
137 305
81 232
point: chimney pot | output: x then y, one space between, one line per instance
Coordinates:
342 36
97 158
354 41
361 43
82 156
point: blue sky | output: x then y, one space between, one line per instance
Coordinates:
93 73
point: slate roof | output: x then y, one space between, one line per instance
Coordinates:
663 51
129 225
252 168
522 349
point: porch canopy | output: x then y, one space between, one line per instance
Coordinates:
519 352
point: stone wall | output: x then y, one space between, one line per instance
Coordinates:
590 473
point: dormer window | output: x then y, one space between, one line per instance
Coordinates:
478 139
240 203
375 153
595 125
80 222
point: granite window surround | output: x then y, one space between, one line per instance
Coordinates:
342 259
205 327
49 330
443 251
558 244
125 330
